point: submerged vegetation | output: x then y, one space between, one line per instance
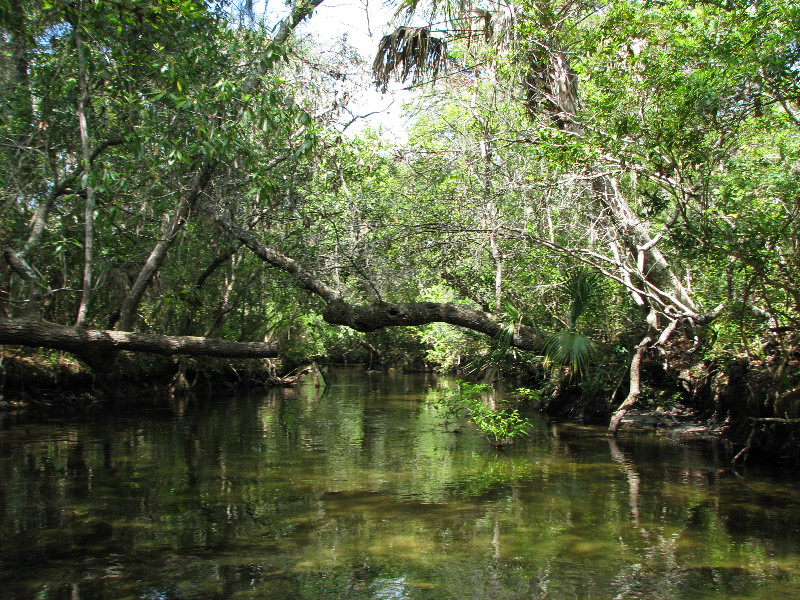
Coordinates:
598 199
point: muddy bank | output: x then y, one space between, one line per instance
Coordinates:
753 404
31 379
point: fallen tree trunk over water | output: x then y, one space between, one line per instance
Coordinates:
90 343
372 317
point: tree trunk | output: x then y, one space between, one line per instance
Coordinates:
83 342
635 386
552 89
20 266
127 312
83 128
17 260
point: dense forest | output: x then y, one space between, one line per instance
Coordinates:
599 199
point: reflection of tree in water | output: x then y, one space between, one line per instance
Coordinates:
361 495
633 479
660 575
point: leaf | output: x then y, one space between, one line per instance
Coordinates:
582 287
408 51
569 349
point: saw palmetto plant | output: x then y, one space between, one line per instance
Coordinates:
569 348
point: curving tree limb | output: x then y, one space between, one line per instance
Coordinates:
371 317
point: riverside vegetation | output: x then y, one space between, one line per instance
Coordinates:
597 198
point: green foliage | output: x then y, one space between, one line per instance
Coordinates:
569 349
582 288
489 364
500 426
175 87
453 404
535 397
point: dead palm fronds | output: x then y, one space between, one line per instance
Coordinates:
408 52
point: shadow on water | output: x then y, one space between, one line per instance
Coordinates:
359 492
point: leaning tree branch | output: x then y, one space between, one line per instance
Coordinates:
371 317
82 342
378 315
300 10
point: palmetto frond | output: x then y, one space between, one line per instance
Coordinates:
408 52
490 364
568 349
581 287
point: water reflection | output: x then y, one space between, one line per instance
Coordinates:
359 492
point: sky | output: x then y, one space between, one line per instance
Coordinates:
364 22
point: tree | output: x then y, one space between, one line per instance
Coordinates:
553 136
647 141
168 100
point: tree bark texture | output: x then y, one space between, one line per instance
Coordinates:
86 154
83 342
371 317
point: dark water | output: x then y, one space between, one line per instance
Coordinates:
360 493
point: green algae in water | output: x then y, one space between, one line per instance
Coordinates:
359 492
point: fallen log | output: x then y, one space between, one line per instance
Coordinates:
87 342
290 379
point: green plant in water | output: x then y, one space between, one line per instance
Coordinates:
458 399
534 397
499 426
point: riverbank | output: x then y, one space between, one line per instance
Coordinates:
670 423
31 379
43 379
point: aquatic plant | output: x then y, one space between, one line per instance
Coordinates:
500 426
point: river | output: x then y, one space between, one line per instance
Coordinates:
358 491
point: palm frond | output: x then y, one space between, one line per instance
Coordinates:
582 287
490 363
408 52
568 349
